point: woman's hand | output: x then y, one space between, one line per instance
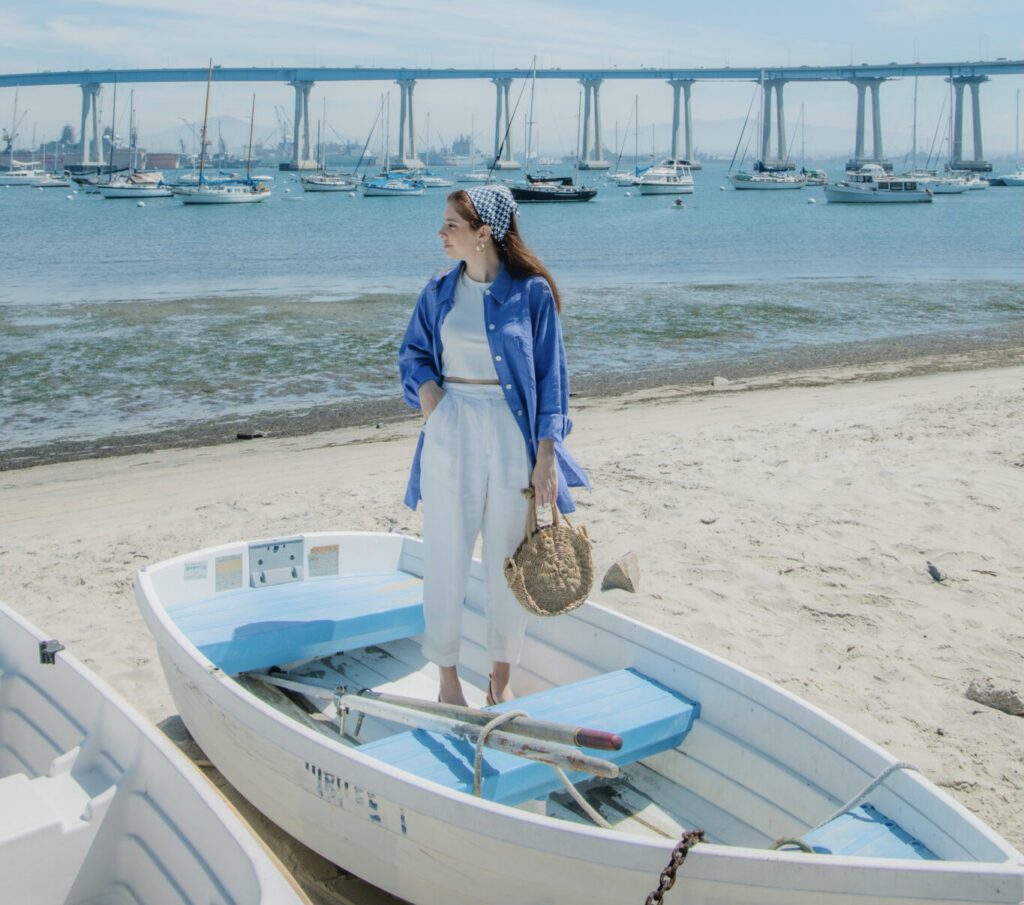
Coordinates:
430 397
545 475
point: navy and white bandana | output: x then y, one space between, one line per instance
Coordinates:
495 205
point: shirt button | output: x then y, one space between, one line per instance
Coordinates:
490 326
520 413
497 358
508 386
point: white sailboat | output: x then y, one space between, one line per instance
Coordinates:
387 185
203 192
321 180
26 174
134 184
294 663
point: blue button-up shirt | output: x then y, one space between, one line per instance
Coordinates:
525 338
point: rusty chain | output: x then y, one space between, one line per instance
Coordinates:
668 875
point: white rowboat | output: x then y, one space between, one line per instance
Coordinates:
98 808
704 744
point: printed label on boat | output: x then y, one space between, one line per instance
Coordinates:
323 560
229 573
195 570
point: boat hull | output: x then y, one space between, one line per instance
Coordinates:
661 188
431 845
98 806
193 196
766 184
149 191
843 195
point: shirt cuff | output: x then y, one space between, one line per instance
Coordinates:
553 427
419 377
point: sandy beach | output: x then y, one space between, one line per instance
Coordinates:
783 523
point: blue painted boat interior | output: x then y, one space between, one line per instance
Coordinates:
866 832
649 717
256 628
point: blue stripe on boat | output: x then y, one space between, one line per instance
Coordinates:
867 833
256 628
649 717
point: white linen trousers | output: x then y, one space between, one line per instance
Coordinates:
474 470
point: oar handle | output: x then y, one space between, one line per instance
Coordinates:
597 738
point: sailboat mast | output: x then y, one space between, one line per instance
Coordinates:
529 118
248 161
913 140
636 134
113 128
206 114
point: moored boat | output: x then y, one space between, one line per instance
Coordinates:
872 184
294 663
391 187
670 177
551 189
769 181
327 182
97 806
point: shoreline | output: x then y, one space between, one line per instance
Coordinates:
869 360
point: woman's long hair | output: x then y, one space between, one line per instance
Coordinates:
519 261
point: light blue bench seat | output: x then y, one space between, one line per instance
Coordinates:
256 628
649 717
866 832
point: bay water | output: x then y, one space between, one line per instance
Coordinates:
125 325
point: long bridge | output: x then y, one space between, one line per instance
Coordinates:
864 78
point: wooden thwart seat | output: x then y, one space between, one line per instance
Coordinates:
256 628
649 717
867 833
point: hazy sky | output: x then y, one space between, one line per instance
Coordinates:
63 35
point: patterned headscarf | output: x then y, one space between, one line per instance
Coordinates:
495 205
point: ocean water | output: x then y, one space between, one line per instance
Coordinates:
119 322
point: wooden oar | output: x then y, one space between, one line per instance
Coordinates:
561 733
503 739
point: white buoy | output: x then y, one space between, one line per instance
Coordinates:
629 194
721 188
287 189
812 200
351 194
69 197
141 204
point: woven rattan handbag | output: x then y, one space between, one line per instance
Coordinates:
552 570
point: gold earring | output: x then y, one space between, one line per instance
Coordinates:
480 246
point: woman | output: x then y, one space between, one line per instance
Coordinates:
483 360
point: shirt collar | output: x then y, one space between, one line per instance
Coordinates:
500 288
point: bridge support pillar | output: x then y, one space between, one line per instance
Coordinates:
89 94
957 161
301 159
684 86
592 155
780 125
503 159
407 128
859 157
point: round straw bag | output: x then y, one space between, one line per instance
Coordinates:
552 570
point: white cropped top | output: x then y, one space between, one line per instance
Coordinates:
464 334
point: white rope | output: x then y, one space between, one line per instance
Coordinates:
850 805
478 757
577 795
499 720
867 790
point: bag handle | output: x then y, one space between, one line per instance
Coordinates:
531 514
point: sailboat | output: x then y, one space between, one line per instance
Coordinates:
321 180
1016 178
204 192
767 175
621 177
18 173
560 188
386 185
134 184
